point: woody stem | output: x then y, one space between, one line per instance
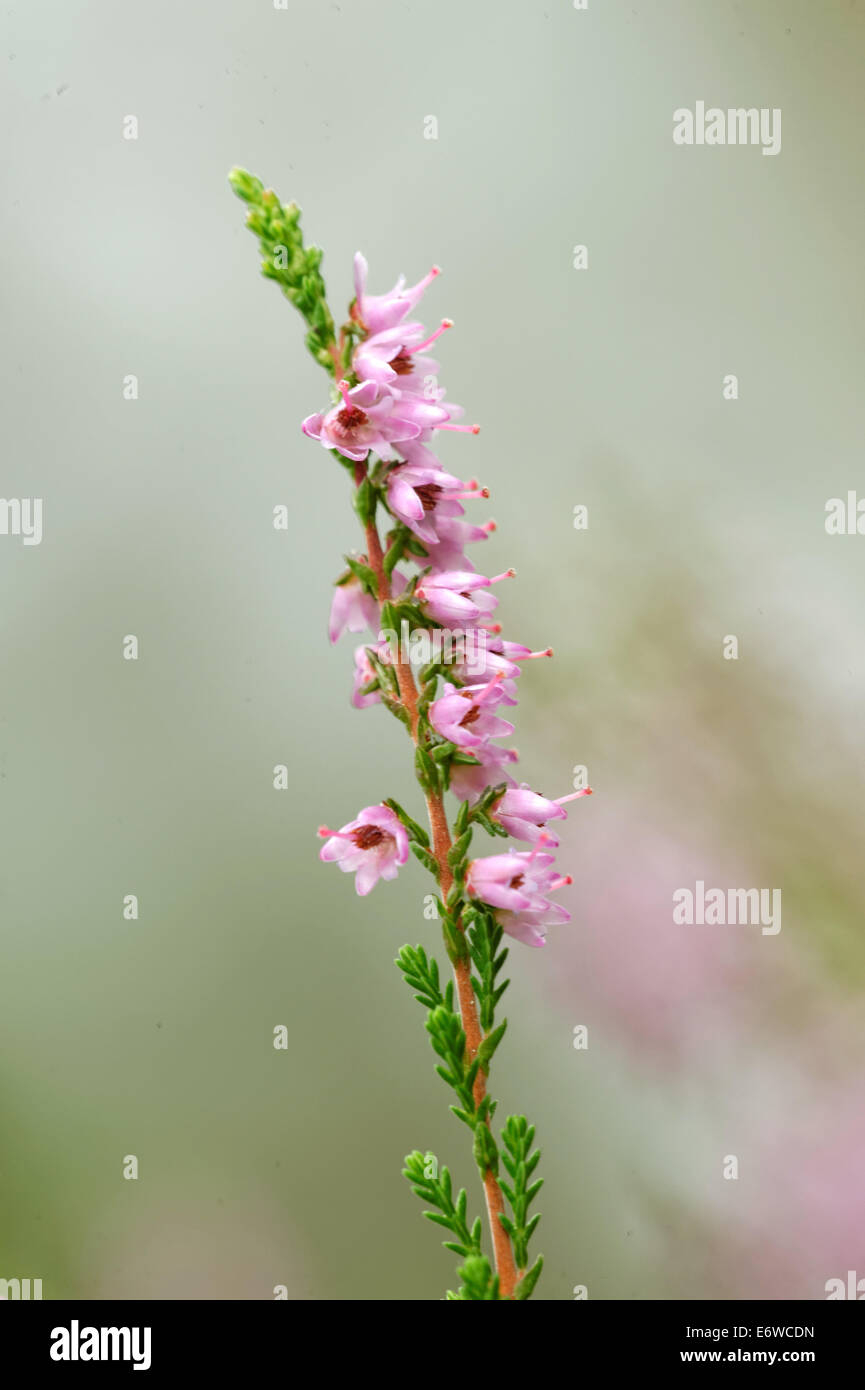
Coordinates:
441 843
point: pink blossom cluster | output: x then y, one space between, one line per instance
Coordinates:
394 411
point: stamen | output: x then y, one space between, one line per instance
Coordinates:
446 323
507 574
543 839
496 680
532 656
476 492
560 800
462 429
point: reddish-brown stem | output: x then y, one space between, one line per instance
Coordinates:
441 843
336 357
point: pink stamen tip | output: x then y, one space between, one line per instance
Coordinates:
543 839
561 882
461 429
435 270
497 678
508 574
324 832
492 627
560 800
445 323
343 391
489 527
475 492
533 656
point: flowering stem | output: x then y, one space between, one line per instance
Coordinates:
382 405
441 844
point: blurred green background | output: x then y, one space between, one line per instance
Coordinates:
600 387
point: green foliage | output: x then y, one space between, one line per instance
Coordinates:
449 1042
365 500
485 938
364 575
422 1172
479 1283
396 540
481 812
426 858
526 1285
422 975
415 832
520 1162
426 770
285 259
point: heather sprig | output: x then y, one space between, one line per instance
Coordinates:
385 413
285 259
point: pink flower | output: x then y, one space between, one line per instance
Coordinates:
465 716
367 420
449 597
469 781
432 412
364 672
392 357
498 658
524 814
354 610
511 880
379 312
452 536
372 846
424 497
516 885
530 926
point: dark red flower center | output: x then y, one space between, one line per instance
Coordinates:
428 494
351 417
402 363
367 836
517 881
